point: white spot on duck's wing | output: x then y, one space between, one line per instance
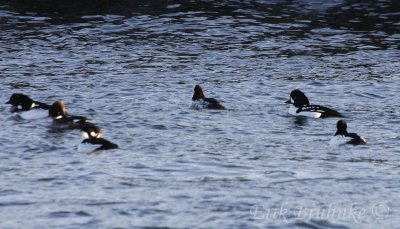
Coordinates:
58 117
312 108
33 105
312 114
327 112
78 119
34 114
87 147
19 107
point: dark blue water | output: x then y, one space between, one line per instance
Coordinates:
131 67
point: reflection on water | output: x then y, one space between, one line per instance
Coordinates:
131 66
338 14
300 121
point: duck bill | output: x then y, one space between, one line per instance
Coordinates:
288 102
9 102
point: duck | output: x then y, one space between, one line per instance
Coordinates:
300 106
93 141
61 118
342 137
27 108
200 101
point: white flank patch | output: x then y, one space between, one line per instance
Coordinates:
33 105
338 140
293 109
58 117
34 114
87 147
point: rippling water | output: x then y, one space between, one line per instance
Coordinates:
131 67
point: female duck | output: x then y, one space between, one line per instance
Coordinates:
200 101
343 137
61 118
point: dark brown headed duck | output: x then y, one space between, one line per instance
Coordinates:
200 101
60 116
343 137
